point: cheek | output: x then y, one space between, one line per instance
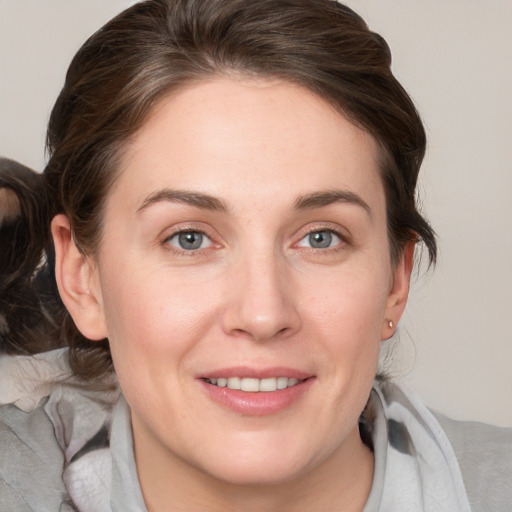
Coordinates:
151 314
354 300
346 318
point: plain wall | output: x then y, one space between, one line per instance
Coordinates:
454 346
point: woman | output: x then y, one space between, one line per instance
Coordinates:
231 199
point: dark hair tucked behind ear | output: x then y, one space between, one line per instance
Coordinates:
158 46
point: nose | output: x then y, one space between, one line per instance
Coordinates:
261 304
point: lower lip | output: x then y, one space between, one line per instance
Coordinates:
260 403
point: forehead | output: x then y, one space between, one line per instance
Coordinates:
232 136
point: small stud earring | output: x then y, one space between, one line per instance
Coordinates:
390 324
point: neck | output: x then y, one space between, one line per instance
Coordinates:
340 482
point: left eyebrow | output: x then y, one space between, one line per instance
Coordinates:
328 197
197 199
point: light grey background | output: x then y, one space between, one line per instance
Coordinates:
455 58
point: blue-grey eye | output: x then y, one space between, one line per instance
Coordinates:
322 239
190 240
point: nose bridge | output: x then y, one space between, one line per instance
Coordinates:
261 304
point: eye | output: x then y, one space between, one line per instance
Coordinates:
321 239
189 240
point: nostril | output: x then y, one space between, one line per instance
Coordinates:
284 331
262 333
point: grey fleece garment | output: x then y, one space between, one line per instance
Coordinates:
484 454
31 463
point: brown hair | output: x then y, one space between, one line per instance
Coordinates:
157 46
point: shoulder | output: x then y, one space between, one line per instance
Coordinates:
53 435
484 454
31 461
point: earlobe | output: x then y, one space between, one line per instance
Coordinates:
397 298
77 280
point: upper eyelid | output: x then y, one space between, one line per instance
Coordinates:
342 238
186 227
171 233
166 245
343 233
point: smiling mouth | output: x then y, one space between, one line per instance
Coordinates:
251 385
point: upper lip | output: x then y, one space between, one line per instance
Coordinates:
255 373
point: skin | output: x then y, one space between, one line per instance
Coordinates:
254 294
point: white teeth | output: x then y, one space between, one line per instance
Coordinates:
234 383
251 385
268 384
282 382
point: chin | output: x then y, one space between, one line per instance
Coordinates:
259 463
261 473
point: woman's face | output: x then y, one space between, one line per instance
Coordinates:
245 244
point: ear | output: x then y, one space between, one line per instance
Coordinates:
397 298
78 282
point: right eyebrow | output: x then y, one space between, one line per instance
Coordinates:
328 197
197 199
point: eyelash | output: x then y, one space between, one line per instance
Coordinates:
343 241
341 245
184 252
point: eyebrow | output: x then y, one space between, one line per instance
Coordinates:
197 199
328 197
208 202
